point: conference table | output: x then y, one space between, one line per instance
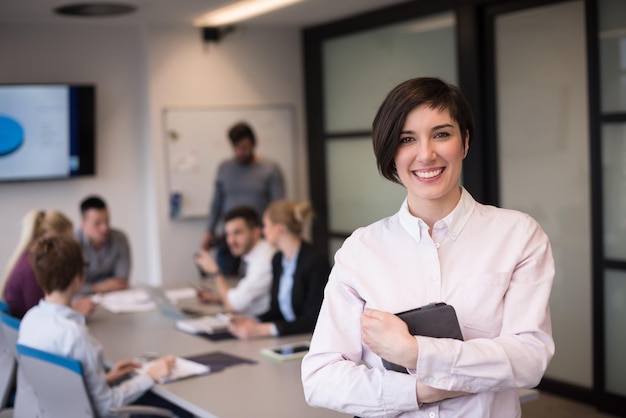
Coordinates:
268 388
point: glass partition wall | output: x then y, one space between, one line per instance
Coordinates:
611 129
358 71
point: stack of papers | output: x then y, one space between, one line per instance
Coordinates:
209 324
182 369
130 300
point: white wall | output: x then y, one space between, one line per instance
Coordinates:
109 57
139 71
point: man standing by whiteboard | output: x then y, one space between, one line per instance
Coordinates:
245 179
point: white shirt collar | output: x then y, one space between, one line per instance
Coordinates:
454 221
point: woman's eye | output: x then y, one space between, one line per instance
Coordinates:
442 135
406 139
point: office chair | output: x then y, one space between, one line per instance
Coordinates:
59 388
9 327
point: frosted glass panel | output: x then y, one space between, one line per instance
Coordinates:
612 25
357 194
360 69
614 190
333 245
543 160
615 340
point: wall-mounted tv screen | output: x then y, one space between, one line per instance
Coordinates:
47 131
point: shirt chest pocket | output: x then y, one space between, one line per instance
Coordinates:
483 310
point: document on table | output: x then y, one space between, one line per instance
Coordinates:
176 295
129 300
209 324
182 369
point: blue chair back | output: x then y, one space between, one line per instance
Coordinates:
56 382
9 328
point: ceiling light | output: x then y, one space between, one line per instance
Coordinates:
241 10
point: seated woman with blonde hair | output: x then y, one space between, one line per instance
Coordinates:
299 276
21 290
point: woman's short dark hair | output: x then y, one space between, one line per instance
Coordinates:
57 260
392 113
241 131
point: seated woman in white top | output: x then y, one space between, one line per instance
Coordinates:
53 326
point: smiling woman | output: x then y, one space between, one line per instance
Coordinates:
441 246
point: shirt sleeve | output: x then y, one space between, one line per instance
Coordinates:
333 373
123 264
520 353
103 396
254 285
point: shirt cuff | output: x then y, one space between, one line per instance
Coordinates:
273 330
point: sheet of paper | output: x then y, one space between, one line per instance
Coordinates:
208 324
183 368
129 300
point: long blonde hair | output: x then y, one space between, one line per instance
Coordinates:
291 214
35 224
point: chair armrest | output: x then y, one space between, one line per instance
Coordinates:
130 410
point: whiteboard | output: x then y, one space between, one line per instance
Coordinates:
196 142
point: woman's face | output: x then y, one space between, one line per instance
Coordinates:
430 157
270 230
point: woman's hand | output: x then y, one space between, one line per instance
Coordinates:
121 369
161 368
245 328
388 337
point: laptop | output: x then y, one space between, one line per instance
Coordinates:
183 309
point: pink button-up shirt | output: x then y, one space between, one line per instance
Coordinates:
493 265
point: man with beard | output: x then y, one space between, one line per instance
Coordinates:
243 180
251 295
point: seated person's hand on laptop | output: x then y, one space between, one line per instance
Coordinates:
121 369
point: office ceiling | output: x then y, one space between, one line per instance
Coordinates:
303 14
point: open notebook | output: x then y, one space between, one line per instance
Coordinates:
182 369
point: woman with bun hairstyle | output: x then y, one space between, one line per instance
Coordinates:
299 276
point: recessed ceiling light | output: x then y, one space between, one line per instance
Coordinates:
241 10
102 9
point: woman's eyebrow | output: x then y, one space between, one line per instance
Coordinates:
445 125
